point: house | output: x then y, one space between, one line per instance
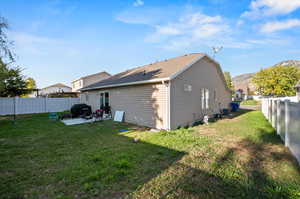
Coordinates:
55 88
297 87
88 80
164 95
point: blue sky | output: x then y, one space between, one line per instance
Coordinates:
61 40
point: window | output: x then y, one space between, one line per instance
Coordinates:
202 98
207 98
86 97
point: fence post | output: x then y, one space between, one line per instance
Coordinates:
274 114
287 120
70 103
278 117
45 102
16 105
271 110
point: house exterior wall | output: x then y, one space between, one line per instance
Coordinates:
86 81
186 106
145 105
55 89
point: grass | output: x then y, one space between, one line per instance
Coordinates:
238 157
250 102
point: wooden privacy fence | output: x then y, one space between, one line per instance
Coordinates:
16 105
285 118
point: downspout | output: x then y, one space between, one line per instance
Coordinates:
168 106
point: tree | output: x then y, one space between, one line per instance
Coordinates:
277 81
5 44
15 85
12 82
228 80
30 83
30 86
3 75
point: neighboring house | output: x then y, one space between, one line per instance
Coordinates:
88 80
164 95
55 88
34 93
297 87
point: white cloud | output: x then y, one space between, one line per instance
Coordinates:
260 8
240 22
168 30
138 3
41 46
191 25
149 16
190 28
280 25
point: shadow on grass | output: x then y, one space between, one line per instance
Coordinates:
239 113
233 115
46 159
96 161
250 180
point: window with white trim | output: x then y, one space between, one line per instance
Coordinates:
202 98
207 98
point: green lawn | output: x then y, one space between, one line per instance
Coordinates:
250 102
239 157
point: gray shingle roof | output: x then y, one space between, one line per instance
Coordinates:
157 70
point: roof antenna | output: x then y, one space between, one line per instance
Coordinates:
216 50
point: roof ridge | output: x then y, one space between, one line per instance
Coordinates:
158 69
157 62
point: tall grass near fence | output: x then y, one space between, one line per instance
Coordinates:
285 118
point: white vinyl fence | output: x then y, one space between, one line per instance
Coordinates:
285 118
10 106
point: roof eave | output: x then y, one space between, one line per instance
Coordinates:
159 79
127 84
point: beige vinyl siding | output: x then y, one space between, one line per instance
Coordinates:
145 105
186 105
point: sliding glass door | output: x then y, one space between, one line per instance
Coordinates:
104 99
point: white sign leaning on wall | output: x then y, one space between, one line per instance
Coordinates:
119 115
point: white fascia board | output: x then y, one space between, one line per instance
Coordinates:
129 83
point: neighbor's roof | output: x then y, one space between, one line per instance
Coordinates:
57 85
298 84
155 72
95 74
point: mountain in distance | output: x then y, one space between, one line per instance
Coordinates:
244 81
289 63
